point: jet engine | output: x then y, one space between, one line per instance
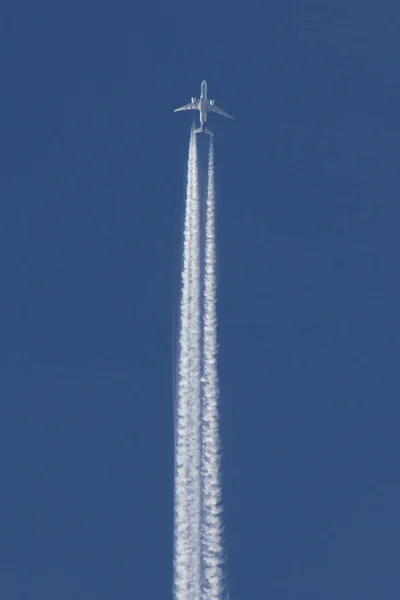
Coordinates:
193 100
212 102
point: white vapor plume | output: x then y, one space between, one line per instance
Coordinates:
198 531
187 436
195 383
212 548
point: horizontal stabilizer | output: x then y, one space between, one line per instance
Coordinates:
205 130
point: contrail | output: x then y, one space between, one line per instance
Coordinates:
195 375
212 548
187 443
198 548
182 541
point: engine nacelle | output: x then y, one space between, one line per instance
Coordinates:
212 102
193 100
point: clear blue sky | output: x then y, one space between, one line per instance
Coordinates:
92 187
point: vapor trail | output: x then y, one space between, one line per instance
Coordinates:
195 375
198 547
187 453
182 540
212 548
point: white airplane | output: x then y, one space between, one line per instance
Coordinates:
204 105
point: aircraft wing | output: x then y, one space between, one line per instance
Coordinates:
219 111
190 106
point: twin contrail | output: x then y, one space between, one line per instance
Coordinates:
198 548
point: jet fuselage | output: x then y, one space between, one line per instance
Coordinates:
203 103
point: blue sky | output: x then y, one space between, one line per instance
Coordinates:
91 203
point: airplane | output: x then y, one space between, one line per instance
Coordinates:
204 105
